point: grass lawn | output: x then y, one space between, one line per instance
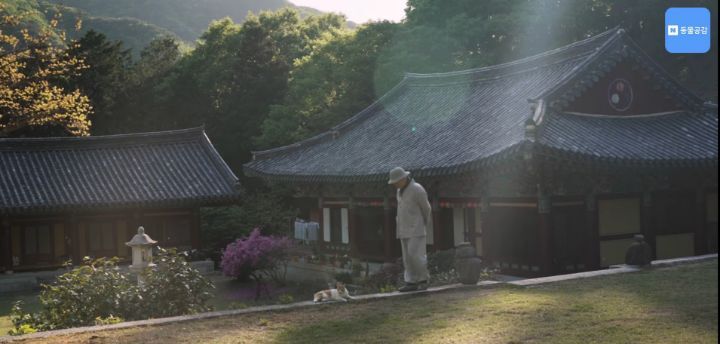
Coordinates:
671 305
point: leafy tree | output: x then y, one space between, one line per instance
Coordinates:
328 86
34 72
495 31
105 80
237 71
268 208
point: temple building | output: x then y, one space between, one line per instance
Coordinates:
67 198
549 164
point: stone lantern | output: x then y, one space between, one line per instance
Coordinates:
467 264
141 245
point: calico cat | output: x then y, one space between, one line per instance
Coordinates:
340 293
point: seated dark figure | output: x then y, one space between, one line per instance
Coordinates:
639 252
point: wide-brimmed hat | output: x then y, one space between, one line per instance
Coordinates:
397 174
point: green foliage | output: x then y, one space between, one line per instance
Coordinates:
441 261
186 18
78 297
285 299
172 287
389 288
35 72
104 81
99 292
267 208
441 266
390 275
108 321
329 85
21 330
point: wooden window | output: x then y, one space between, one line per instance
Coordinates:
673 213
170 231
513 236
37 243
369 222
335 225
178 233
101 239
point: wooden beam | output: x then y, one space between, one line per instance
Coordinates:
545 230
485 229
592 245
6 246
388 236
321 230
646 222
74 231
352 228
701 245
195 235
438 237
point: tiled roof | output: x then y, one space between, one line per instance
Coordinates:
439 124
171 168
660 139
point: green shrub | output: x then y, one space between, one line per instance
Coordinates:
441 261
388 288
99 292
286 298
441 266
388 275
23 329
172 287
108 321
78 297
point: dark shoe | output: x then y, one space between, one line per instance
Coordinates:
422 285
408 287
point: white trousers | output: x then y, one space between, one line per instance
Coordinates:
414 254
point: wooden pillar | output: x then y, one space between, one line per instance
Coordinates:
700 220
74 240
6 244
438 237
485 229
195 235
321 230
646 222
544 207
592 244
388 236
352 229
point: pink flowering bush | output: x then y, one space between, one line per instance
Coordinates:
257 256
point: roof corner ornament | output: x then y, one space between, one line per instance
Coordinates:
530 129
335 133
